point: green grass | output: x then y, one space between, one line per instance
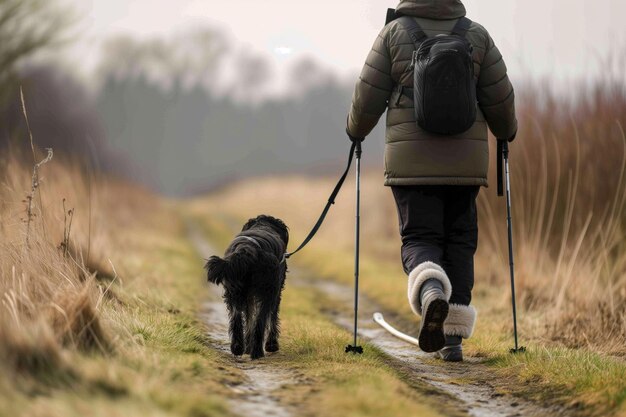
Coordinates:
579 377
548 372
334 383
593 383
161 363
343 384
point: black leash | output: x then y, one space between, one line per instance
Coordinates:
331 201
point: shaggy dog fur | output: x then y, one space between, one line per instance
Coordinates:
252 273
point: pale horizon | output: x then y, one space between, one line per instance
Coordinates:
562 46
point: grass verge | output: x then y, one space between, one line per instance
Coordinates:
334 383
161 363
591 382
106 323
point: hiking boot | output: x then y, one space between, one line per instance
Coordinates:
434 312
452 350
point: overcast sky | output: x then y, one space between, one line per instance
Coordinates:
562 39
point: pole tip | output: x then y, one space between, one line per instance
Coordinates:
520 349
354 349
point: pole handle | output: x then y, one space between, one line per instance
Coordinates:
500 157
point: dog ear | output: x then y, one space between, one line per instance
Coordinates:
216 269
249 224
283 230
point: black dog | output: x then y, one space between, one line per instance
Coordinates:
253 275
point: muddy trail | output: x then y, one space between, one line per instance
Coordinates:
471 383
259 394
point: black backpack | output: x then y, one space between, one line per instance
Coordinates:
444 90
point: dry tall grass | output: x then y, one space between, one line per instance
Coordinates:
569 187
53 277
569 190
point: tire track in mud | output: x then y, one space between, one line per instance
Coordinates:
468 381
258 395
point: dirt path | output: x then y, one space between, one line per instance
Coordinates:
259 394
469 381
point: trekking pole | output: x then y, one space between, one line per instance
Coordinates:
503 153
357 151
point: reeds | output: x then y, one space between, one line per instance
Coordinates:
569 192
48 295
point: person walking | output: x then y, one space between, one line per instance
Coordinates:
435 176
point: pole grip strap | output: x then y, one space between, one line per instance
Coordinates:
354 149
500 156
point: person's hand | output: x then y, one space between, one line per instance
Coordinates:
353 138
512 138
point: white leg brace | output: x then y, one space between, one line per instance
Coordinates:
422 273
460 321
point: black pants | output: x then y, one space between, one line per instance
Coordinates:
439 224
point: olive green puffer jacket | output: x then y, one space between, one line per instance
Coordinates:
412 155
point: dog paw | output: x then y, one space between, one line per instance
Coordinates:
236 349
257 354
272 346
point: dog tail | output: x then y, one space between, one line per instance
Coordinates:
228 272
217 269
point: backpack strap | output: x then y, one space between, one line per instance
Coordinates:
461 27
416 32
418 36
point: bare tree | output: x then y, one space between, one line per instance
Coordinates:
190 58
27 26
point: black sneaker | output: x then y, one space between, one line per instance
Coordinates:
452 351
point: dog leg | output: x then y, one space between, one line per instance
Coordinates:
249 329
272 339
258 333
235 329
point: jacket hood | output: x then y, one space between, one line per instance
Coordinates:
432 9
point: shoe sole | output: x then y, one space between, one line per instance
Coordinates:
431 337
